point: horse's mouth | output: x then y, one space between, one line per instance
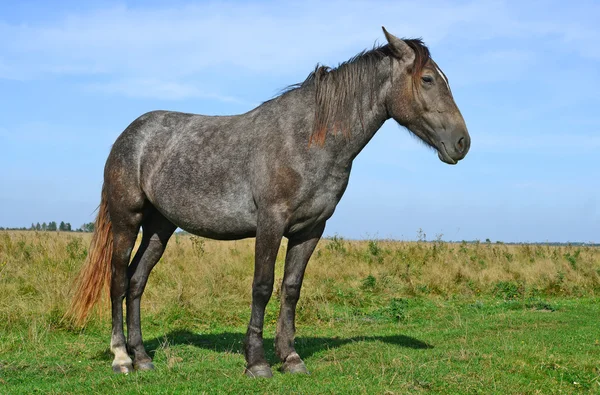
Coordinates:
443 155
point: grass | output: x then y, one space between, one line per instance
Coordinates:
374 317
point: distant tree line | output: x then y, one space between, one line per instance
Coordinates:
53 227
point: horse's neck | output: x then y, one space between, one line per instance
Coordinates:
368 116
362 132
364 127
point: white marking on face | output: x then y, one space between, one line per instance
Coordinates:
442 75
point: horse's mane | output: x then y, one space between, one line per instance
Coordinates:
336 88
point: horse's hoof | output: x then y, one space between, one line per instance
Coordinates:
294 365
259 371
143 366
296 368
123 369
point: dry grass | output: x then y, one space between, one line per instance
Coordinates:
206 281
374 317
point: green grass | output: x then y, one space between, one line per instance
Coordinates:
374 317
438 346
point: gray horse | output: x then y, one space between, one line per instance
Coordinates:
276 171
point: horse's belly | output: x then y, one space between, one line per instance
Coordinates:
222 219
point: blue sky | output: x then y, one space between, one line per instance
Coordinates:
526 76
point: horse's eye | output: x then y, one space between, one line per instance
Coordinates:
427 79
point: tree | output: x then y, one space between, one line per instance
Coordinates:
88 227
32 226
44 226
38 226
52 226
68 227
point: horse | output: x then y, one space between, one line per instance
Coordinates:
268 173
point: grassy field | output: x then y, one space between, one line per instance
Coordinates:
374 317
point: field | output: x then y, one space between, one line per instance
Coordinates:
374 317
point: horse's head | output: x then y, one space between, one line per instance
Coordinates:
420 99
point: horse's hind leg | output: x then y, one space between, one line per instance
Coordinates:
298 253
156 233
125 228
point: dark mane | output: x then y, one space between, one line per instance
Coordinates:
336 88
422 56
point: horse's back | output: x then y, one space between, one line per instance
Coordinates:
193 168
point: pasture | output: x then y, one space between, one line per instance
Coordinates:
374 317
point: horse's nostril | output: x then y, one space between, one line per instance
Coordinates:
460 145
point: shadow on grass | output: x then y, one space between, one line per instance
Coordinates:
232 342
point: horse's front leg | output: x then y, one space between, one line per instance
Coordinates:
268 238
298 253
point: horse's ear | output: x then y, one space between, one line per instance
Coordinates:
399 48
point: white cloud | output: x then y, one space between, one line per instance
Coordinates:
261 37
157 89
174 44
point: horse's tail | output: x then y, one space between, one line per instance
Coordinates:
96 272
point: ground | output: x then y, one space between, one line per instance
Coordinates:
374 318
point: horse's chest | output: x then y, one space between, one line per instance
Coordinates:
319 205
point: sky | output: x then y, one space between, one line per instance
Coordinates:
525 75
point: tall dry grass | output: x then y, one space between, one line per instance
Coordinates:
208 282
